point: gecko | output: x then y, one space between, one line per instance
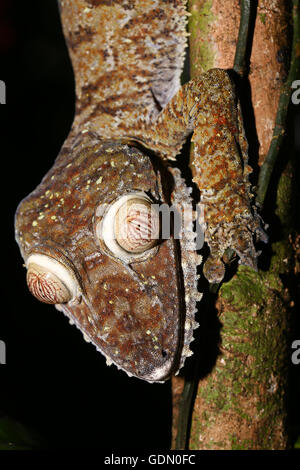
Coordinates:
89 234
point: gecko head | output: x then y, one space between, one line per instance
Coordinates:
91 244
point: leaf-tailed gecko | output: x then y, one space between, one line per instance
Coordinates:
88 233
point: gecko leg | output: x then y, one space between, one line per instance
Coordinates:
207 106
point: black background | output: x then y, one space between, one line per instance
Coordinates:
54 382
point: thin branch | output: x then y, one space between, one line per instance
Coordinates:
240 59
184 415
190 389
283 106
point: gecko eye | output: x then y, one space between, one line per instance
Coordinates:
49 280
136 225
130 227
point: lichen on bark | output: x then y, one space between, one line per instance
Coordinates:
201 50
241 402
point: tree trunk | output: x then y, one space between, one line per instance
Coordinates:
244 339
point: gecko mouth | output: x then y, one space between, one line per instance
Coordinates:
152 365
147 335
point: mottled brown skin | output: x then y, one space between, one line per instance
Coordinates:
208 107
122 309
127 58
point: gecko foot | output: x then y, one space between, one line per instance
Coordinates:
240 240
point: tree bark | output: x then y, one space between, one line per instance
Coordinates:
241 400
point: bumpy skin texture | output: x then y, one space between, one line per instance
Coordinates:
127 57
208 107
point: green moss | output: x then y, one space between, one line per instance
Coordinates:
250 288
254 323
262 17
237 444
282 259
197 430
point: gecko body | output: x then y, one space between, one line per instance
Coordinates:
133 297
